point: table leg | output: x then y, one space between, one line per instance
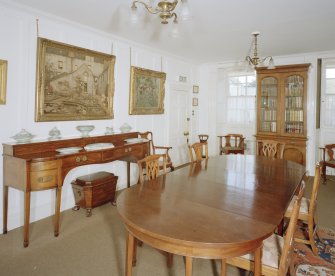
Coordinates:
26 218
57 210
129 258
188 269
223 267
128 174
5 208
258 261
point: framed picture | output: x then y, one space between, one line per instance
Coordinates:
195 101
195 89
147 90
73 83
3 81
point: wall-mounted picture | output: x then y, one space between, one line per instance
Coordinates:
147 90
195 101
73 83
195 89
3 81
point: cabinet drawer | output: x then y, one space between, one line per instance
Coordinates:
43 175
137 150
46 179
113 154
82 159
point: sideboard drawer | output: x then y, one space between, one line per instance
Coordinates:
43 175
41 180
137 150
81 159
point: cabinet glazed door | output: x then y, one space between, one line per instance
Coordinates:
268 106
294 112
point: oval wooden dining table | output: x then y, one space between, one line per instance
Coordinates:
220 208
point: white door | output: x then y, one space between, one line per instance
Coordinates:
178 124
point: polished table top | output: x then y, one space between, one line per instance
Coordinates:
233 200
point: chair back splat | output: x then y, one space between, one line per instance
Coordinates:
151 166
270 148
196 151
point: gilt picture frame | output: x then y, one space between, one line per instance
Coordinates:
147 91
73 83
3 81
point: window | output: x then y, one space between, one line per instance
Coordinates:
329 97
241 99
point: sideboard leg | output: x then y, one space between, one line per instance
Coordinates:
26 218
5 208
57 210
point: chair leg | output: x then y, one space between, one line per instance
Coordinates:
311 234
324 176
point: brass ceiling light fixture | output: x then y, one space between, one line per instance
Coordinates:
255 61
165 10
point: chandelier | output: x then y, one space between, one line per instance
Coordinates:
165 10
255 60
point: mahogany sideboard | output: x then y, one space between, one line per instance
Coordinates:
37 166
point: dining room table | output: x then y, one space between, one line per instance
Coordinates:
220 208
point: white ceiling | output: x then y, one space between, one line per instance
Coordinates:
220 30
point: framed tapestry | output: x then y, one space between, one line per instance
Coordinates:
3 81
73 83
147 90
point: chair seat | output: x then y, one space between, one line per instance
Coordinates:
303 207
272 248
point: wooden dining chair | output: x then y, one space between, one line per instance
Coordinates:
157 149
327 159
307 213
231 144
277 251
196 151
149 168
270 148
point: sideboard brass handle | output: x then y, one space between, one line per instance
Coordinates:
84 158
78 159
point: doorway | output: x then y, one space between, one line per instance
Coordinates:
179 126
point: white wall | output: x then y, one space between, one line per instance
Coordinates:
18 47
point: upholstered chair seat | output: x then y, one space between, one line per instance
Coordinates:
303 207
